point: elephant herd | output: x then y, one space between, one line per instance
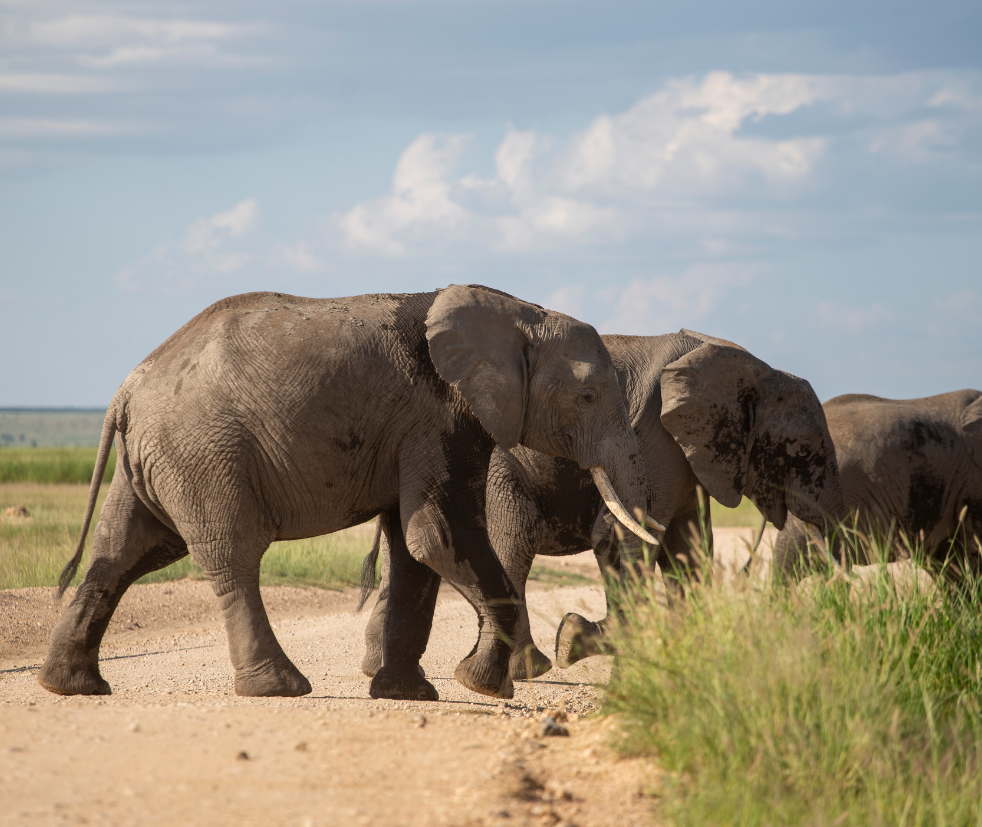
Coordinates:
480 430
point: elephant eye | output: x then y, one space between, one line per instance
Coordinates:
587 397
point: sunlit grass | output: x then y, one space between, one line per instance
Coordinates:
745 514
52 465
852 703
33 550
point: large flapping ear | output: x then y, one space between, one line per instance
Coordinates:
480 342
709 399
972 428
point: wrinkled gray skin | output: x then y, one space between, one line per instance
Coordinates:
273 417
706 412
909 467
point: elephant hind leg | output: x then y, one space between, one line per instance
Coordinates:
262 668
129 542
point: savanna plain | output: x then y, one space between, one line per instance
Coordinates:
839 701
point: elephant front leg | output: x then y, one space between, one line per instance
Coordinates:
401 622
262 668
461 553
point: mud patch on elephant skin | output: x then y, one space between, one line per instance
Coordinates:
922 431
352 442
730 431
925 500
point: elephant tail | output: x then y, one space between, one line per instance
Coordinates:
368 567
102 458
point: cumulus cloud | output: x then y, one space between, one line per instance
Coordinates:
205 235
686 135
660 163
420 200
664 304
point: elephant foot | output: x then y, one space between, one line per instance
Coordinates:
528 662
399 685
62 678
272 679
577 638
372 662
484 676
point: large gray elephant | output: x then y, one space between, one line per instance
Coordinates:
706 412
910 468
272 417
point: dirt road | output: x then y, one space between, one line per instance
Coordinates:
173 744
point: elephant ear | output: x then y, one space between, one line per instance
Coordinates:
972 427
709 401
480 342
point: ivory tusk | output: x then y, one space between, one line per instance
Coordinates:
651 522
616 507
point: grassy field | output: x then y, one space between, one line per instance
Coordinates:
34 549
52 465
831 705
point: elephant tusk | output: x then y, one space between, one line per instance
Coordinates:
617 508
651 522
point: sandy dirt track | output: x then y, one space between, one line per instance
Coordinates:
174 745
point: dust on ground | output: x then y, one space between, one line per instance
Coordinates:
174 744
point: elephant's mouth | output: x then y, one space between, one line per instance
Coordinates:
616 507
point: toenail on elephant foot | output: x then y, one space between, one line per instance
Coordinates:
402 685
64 680
485 676
577 638
528 662
272 679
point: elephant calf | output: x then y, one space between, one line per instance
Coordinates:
273 417
910 467
706 412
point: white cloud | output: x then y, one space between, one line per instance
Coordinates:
853 320
666 304
205 235
106 30
300 258
54 84
686 136
420 199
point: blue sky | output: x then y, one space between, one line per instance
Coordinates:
805 182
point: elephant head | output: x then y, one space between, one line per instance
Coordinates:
543 380
750 430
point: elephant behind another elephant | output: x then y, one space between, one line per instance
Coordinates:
706 412
911 468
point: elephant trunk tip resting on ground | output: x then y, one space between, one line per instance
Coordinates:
706 412
271 417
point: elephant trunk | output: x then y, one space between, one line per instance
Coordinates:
822 517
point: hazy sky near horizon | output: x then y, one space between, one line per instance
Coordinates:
804 181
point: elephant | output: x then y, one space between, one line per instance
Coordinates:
273 417
707 414
911 472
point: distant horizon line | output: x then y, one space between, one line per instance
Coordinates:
43 409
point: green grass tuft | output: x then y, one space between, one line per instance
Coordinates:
34 549
52 465
824 704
